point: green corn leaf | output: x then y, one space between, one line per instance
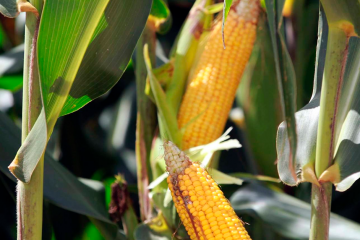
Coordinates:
56 73
11 66
86 66
285 75
258 88
61 187
160 16
286 215
12 83
109 52
72 24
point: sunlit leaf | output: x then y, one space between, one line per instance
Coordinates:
109 53
61 20
72 24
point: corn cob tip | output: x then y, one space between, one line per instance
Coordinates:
248 10
176 161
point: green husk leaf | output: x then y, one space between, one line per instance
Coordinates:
226 9
214 8
166 113
186 47
223 178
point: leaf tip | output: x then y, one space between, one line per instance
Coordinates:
12 167
24 6
17 170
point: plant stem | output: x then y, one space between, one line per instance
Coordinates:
320 211
146 122
335 60
30 196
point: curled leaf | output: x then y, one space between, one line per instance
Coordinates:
30 151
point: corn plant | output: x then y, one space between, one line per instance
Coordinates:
229 58
54 76
321 124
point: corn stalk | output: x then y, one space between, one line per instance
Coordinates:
30 196
336 53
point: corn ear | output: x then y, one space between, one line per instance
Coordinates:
212 87
201 205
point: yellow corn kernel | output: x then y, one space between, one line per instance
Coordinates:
212 87
203 219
